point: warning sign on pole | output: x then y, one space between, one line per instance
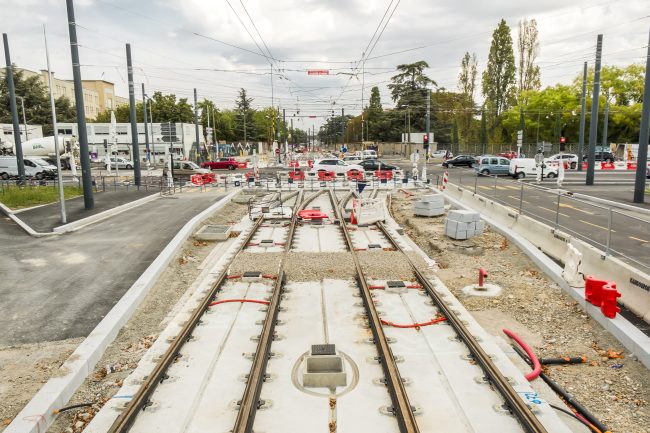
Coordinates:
318 72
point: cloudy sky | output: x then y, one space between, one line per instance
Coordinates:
181 44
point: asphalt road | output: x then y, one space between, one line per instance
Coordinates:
630 234
61 287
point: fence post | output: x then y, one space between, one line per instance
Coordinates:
521 198
557 211
495 185
475 183
609 231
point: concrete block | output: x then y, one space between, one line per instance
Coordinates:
479 226
437 199
463 215
429 212
450 225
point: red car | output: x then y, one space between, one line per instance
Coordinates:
509 154
221 163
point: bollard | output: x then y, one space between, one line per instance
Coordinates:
594 290
609 306
482 275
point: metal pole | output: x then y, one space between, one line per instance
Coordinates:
84 156
644 133
55 134
134 121
609 231
428 128
14 111
521 198
606 121
581 139
146 126
153 143
593 123
196 127
22 105
557 210
342 125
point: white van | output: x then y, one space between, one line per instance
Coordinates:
522 167
369 154
34 167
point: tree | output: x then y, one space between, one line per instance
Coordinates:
499 75
409 83
467 76
374 113
528 44
244 113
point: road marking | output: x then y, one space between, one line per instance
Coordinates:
640 240
517 198
551 210
485 187
575 208
596 225
513 187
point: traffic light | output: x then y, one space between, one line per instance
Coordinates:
562 144
425 140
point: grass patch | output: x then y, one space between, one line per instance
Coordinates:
16 197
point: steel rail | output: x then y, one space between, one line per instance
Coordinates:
515 404
250 401
141 398
401 406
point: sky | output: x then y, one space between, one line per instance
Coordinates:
216 46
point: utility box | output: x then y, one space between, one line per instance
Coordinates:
324 368
211 232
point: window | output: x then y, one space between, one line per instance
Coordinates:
28 163
485 161
504 161
494 161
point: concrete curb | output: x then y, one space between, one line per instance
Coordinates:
625 332
37 415
76 225
30 231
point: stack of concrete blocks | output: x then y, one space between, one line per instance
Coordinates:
463 224
430 205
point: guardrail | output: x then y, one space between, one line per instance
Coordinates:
619 233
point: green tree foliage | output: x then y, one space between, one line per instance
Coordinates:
36 101
164 108
244 114
467 75
499 75
374 114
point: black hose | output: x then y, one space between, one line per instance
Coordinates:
563 361
566 396
571 414
74 406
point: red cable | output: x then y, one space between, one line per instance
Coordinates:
537 367
226 301
414 325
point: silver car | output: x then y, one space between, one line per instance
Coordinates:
120 163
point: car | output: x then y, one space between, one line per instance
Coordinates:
352 159
376 164
221 163
570 159
120 163
336 165
460 160
441 153
601 157
509 154
369 154
188 168
34 168
489 164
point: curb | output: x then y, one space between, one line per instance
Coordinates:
625 332
76 225
37 415
30 231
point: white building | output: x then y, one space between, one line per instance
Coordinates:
7 132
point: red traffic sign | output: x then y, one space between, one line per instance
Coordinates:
318 72
277 151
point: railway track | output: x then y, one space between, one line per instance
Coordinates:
269 396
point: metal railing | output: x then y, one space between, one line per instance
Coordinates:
624 234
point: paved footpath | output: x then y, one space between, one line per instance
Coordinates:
60 287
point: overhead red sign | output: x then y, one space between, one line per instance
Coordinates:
318 71
312 117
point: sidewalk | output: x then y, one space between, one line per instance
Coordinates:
46 218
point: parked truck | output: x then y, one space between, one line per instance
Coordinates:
44 148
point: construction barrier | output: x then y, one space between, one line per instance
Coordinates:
384 174
602 294
297 175
355 175
325 175
197 179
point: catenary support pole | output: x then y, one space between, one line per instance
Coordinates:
583 114
342 125
146 126
196 127
135 152
428 127
593 123
55 134
644 136
605 124
84 156
14 111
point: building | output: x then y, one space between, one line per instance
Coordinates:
99 95
7 132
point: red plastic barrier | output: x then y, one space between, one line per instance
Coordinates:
609 305
250 176
209 178
197 179
294 163
312 214
631 165
310 163
325 175
594 290
384 174
584 165
355 175
242 164
607 166
297 175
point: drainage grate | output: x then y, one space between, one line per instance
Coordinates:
323 349
267 243
395 284
374 246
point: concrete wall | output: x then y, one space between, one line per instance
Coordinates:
631 282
